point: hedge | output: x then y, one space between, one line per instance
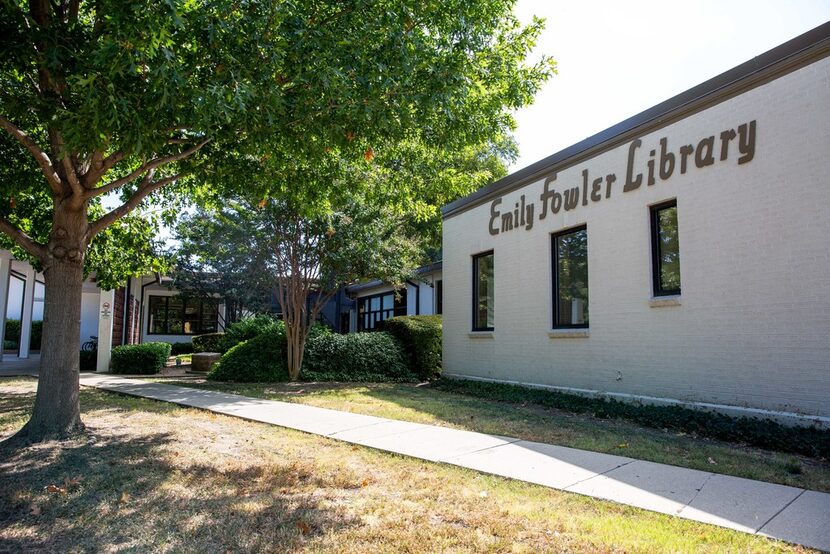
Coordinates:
143 359
259 359
376 356
207 343
37 335
246 329
755 432
13 328
420 336
177 348
89 360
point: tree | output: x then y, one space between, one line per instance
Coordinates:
306 257
120 98
221 253
378 217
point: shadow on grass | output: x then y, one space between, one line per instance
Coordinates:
534 422
133 492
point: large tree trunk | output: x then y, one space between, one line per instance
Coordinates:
56 412
296 348
295 333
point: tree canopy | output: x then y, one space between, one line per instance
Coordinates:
124 99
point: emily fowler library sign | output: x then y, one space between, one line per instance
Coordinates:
660 165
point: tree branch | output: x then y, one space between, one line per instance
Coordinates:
40 156
99 167
74 6
146 188
145 167
22 239
72 176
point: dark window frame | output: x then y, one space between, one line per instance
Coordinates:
656 257
439 296
199 320
476 258
555 274
399 301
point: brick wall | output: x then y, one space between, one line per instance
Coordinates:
118 317
752 325
130 319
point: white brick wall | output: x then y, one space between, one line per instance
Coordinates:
753 327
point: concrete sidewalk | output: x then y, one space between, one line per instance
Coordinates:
12 366
791 514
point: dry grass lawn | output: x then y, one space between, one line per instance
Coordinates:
422 404
151 476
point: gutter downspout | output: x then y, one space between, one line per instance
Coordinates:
417 296
124 312
141 307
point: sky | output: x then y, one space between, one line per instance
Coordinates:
617 58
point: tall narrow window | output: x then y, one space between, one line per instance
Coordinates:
483 292
439 296
570 279
665 249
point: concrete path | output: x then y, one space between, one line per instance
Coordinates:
12 366
791 514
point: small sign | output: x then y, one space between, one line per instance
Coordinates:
106 312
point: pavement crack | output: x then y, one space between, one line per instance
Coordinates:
598 475
787 505
447 460
697 493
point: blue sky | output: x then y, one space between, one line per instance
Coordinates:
616 59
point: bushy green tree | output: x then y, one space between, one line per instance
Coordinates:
129 98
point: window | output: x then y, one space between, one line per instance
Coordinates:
174 315
439 296
371 310
665 249
483 292
570 279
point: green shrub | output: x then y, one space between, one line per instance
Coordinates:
420 336
364 357
207 343
177 348
246 329
37 335
89 360
10 345
144 359
755 432
263 357
13 330
260 359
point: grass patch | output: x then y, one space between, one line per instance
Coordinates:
150 476
763 433
530 421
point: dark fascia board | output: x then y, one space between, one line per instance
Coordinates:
790 56
364 286
430 268
423 270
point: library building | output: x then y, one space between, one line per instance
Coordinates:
680 257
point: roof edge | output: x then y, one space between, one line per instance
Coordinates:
777 62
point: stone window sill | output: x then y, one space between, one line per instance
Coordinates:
480 334
569 334
664 301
